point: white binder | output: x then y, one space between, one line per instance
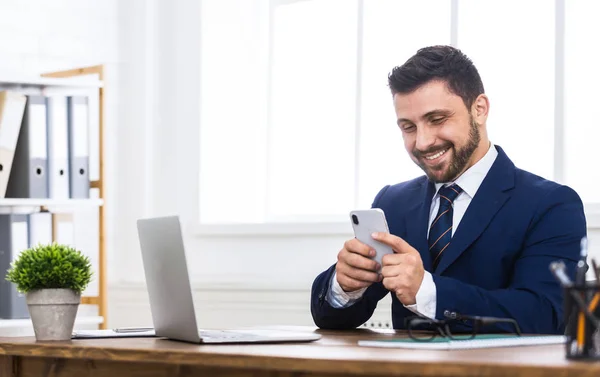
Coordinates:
79 151
58 144
64 230
40 229
12 107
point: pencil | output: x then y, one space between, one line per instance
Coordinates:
594 302
580 331
591 308
580 283
596 298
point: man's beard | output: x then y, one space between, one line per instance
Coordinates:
460 159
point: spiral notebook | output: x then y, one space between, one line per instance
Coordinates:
480 341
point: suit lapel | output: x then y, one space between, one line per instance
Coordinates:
490 197
418 221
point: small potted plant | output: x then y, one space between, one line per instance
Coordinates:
52 278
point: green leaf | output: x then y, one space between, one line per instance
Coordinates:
50 266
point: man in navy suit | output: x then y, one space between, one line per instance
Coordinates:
474 236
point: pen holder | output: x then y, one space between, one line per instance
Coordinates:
582 331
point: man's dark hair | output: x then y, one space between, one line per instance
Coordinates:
443 63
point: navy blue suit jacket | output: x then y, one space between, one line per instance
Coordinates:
498 261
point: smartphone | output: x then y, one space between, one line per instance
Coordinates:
365 222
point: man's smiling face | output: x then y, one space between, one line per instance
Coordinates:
440 134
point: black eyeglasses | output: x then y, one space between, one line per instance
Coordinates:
419 328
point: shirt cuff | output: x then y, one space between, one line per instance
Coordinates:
339 299
426 298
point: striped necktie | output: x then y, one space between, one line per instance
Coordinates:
440 231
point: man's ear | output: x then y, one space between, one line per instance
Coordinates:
480 108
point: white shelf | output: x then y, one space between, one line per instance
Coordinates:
47 82
26 205
26 323
14 202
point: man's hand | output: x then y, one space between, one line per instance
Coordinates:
354 269
402 271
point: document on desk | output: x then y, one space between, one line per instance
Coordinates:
480 341
114 333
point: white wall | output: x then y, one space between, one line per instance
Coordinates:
243 280
38 36
238 279
151 50
151 159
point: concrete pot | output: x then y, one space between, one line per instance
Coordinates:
53 312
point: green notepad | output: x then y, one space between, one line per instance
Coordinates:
480 341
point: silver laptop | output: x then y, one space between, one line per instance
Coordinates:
170 291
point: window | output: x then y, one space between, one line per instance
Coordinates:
582 127
298 122
392 32
313 100
516 65
234 67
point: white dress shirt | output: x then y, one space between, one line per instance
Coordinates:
426 297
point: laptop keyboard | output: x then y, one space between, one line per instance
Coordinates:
226 335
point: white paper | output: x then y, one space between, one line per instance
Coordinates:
82 334
468 344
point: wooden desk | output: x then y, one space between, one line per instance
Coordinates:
336 354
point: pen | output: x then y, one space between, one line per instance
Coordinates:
580 282
596 299
558 268
581 264
133 329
